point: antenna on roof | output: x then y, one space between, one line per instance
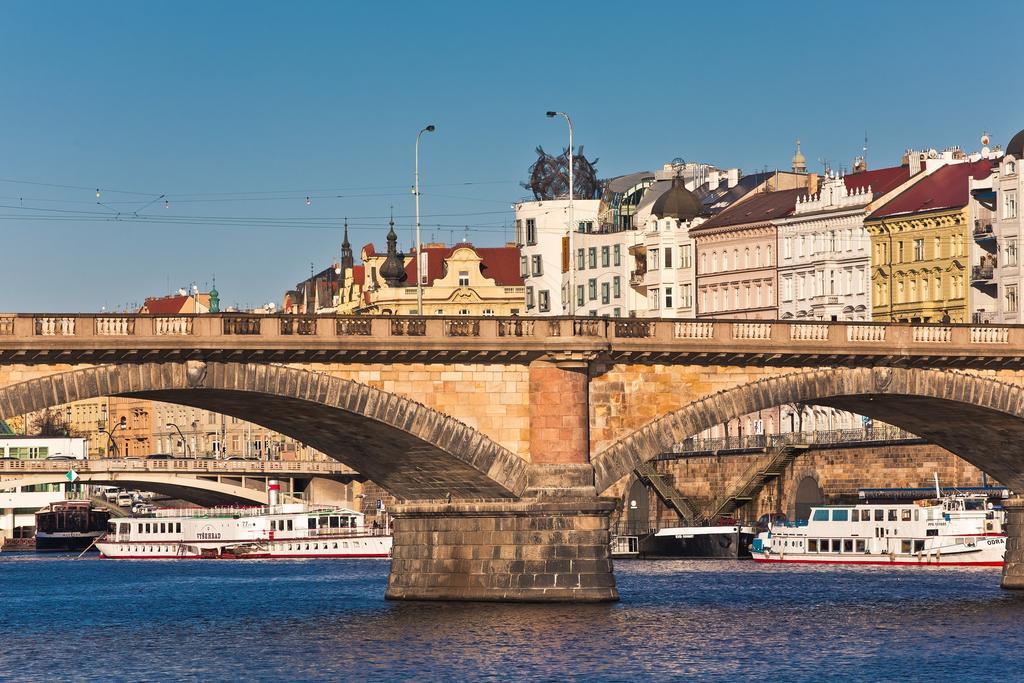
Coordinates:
865 149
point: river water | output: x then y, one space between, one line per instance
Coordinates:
327 620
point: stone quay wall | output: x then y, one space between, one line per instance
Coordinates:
839 472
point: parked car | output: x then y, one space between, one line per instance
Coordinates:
58 456
124 499
160 456
110 494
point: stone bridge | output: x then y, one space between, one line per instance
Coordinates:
201 481
500 433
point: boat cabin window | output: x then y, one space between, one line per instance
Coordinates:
879 515
837 545
291 526
812 545
323 522
905 547
905 515
177 527
820 516
931 532
892 515
840 515
311 522
974 505
917 515
847 545
918 546
335 522
861 545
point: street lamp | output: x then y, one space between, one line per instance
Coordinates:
572 227
419 244
111 443
184 443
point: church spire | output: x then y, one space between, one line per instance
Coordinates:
346 252
799 160
393 268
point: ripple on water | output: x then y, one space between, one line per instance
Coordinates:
327 620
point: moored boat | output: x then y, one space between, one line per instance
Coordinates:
954 530
292 530
69 525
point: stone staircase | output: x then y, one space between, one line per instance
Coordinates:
755 479
687 511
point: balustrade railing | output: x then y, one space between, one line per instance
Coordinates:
694 330
634 329
808 332
172 325
353 327
516 327
462 328
881 432
6 326
933 334
52 327
408 327
586 328
751 330
243 325
305 325
865 333
990 335
115 327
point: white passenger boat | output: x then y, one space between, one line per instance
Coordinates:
291 530
954 530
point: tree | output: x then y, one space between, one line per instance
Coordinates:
50 422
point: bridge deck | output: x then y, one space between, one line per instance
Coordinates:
198 466
82 338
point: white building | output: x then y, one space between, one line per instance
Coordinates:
996 225
541 228
18 505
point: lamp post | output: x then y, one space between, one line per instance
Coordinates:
419 244
111 442
184 442
572 226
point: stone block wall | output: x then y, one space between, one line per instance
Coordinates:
839 472
546 550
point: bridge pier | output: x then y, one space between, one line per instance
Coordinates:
1013 561
551 546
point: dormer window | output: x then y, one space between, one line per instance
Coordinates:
463 278
1011 167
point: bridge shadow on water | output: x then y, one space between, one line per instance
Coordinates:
327 620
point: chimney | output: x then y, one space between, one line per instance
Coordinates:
812 184
734 176
914 160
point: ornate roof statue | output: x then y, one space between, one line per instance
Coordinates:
393 268
549 176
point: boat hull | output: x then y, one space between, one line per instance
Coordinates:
349 547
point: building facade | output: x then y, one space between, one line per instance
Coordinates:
824 250
996 227
920 247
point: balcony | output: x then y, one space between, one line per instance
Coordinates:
636 277
983 231
983 272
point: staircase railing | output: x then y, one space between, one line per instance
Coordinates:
689 512
754 479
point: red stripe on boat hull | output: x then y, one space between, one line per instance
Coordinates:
882 563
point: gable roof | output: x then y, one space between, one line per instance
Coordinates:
880 180
165 305
501 264
946 188
760 208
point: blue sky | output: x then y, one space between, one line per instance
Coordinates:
196 101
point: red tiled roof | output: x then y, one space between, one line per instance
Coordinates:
165 305
359 274
760 208
946 188
498 263
880 180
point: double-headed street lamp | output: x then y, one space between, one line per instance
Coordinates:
419 243
572 227
111 442
184 442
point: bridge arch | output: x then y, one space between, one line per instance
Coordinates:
979 418
413 451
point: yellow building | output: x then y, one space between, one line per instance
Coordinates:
920 242
457 280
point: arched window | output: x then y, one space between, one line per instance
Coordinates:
757 257
746 257
704 262
769 261
714 262
1011 168
735 259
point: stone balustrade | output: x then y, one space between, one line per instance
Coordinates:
177 465
292 336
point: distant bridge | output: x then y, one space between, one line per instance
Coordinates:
206 482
